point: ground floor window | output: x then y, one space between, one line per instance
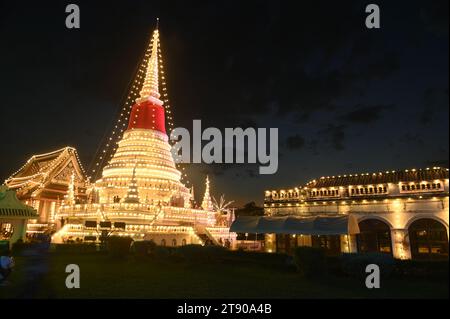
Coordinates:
331 243
6 231
428 239
286 243
374 236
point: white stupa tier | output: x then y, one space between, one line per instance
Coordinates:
147 152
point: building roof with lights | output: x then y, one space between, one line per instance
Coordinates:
47 174
404 176
408 183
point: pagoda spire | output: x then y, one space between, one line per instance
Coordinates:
148 111
150 87
207 202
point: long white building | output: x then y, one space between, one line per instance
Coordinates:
403 213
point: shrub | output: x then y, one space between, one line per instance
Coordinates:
143 248
202 254
355 264
310 261
119 246
424 269
334 265
22 248
161 252
81 248
261 259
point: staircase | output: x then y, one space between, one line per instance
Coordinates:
206 237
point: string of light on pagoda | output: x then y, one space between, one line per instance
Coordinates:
168 111
110 146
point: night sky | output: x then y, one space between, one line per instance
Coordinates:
346 99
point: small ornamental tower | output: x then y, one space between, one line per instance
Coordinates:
207 202
192 200
70 197
132 194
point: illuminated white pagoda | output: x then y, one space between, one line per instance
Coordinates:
141 186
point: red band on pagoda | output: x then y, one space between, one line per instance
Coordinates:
147 115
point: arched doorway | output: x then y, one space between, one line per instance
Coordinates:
428 239
374 236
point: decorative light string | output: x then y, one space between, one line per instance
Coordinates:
106 152
169 114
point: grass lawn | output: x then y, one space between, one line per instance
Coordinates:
103 277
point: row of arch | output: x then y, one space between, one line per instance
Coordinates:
174 242
428 238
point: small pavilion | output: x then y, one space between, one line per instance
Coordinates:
14 216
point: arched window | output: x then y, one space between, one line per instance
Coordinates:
428 239
374 236
163 242
183 242
174 242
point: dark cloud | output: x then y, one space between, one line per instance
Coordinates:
435 17
335 136
413 139
365 114
433 101
295 142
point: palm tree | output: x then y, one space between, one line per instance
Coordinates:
222 209
221 205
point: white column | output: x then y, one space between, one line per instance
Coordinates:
400 244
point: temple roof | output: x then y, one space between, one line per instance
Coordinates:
12 208
42 169
412 175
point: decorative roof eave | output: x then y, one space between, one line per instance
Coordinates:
59 155
46 173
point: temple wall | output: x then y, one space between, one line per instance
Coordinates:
172 239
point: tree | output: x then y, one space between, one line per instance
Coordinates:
250 209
